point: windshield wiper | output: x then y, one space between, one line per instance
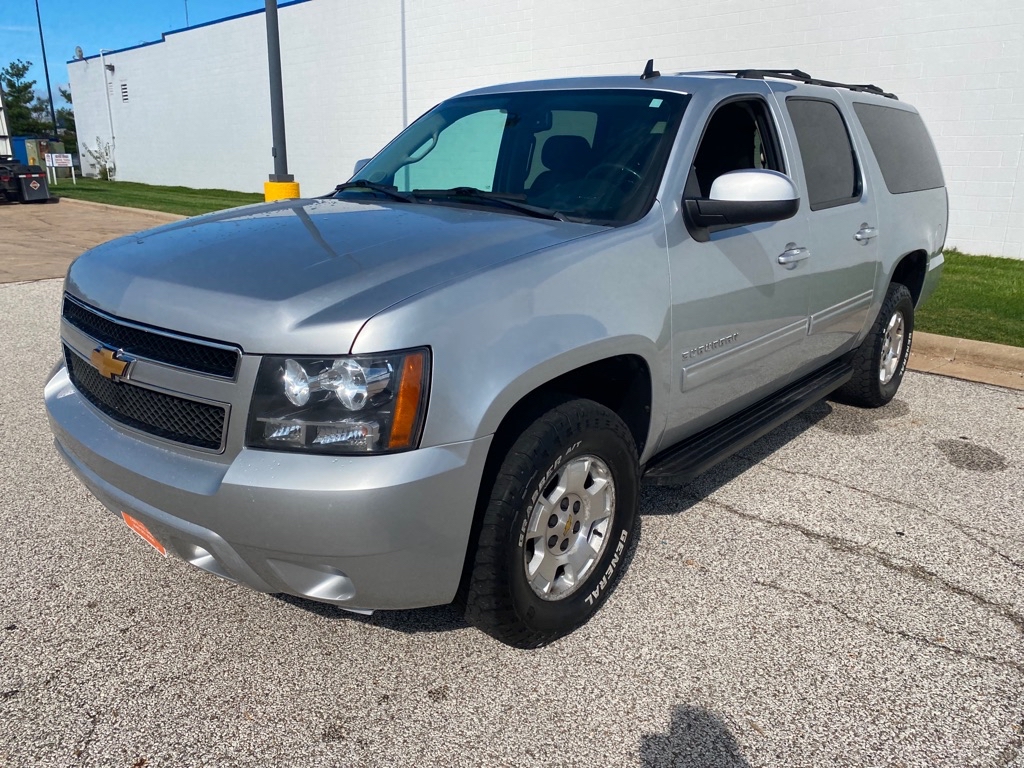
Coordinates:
384 189
497 198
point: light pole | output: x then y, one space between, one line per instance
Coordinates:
282 185
46 71
110 118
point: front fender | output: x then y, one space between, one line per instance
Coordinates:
499 334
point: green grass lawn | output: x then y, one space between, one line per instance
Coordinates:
188 202
979 297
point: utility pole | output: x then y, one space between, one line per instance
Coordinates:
46 71
282 185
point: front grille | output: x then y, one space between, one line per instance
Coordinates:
173 418
138 342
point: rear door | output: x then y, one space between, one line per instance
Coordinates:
843 222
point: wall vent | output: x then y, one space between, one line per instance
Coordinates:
124 91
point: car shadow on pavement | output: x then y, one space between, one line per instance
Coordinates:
441 618
696 738
672 499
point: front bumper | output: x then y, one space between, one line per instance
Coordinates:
361 532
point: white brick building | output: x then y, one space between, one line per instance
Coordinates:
193 108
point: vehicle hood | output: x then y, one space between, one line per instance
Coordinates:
298 276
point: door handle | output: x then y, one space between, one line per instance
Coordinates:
792 255
865 233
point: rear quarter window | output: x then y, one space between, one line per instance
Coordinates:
830 165
902 146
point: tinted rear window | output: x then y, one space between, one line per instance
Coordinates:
903 147
826 151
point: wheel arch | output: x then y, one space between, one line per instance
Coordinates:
910 270
621 383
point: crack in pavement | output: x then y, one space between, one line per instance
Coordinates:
82 753
1012 749
1014 665
985 545
979 529
960 526
914 570
964 528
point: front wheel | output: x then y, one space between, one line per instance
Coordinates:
556 526
881 360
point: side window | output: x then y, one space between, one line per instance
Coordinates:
830 165
466 154
902 146
740 135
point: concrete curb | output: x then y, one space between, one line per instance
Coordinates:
967 359
161 215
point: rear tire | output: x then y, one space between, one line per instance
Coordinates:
881 360
556 526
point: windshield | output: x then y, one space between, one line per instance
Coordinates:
585 155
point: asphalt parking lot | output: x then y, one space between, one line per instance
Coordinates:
846 592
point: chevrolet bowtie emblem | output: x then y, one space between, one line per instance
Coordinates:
109 365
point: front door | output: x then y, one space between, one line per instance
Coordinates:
739 315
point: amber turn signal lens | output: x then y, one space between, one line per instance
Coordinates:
407 404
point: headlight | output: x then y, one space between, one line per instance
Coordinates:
358 404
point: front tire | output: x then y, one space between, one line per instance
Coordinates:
881 360
556 526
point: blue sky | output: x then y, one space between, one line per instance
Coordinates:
95 24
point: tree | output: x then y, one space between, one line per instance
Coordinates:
103 155
41 112
23 107
66 122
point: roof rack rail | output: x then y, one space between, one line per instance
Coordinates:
802 77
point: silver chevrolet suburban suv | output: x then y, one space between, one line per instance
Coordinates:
446 380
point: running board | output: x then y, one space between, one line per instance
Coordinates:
694 455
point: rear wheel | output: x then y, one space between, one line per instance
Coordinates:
881 359
556 526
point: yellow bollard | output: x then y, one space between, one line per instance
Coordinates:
280 190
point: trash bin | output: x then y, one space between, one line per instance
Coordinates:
33 187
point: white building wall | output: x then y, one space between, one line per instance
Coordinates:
198 109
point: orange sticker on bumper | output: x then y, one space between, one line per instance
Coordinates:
140 528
